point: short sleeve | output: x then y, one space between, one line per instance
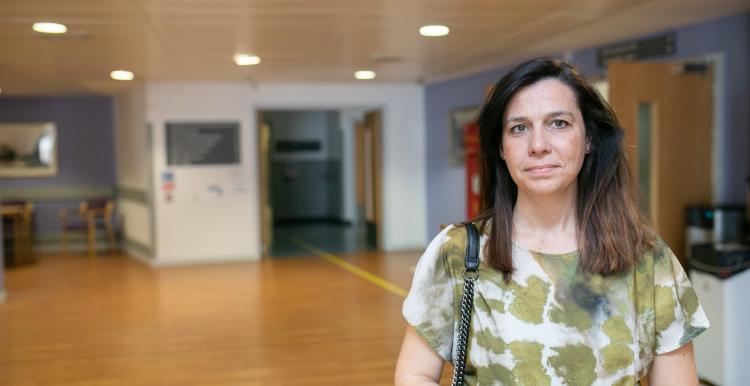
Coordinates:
429 306
679 316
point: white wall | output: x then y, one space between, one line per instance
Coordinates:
131 154
133 163
199 226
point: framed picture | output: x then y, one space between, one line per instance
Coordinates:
28 149
459 118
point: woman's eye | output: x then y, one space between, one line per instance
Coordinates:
558 124
518 128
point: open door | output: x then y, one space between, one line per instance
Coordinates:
367 154
266 212
666 110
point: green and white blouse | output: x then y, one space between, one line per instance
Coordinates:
553 324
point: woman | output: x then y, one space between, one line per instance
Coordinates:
573 288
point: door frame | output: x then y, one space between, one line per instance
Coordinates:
718 175
256 112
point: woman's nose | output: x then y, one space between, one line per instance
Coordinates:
538 143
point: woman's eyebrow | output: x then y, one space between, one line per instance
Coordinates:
523 119
515 119
559 113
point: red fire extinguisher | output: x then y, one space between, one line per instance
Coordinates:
471 154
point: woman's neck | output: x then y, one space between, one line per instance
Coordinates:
546 224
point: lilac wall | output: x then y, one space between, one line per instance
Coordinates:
85 138
85 149
446 195
729 36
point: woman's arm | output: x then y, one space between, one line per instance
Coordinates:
674 368
418 363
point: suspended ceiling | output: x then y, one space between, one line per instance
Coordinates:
308 40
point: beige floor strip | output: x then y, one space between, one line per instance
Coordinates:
378 281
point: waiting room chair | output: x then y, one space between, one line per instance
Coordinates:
92 214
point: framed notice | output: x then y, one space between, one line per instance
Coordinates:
203 143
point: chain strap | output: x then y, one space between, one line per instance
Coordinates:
471 272
467 303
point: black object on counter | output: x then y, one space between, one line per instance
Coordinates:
722 262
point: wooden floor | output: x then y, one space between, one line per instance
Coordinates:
73 320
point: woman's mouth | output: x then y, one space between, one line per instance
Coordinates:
541 169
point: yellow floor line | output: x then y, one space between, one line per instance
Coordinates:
378 281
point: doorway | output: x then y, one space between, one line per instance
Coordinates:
319 180
666 109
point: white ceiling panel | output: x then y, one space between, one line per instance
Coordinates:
308 40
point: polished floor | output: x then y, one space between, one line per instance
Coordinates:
74 320
333 238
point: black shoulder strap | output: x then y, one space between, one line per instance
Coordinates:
467 303
472 247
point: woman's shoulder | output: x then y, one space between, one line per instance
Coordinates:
658 254
449 245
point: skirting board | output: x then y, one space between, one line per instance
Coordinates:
138 254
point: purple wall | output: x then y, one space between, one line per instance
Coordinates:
729 36
446 195
85 147
85 138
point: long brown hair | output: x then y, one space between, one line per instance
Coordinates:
612 233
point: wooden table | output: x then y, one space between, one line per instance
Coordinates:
20 218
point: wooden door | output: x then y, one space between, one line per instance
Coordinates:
666 110
369 183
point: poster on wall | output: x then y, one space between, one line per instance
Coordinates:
167 186
459 119
203 143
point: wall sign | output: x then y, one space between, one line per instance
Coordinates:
195 143
638 49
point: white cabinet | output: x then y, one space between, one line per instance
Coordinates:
722 352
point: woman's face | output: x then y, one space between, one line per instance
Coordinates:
544 138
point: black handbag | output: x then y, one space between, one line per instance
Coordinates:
467 302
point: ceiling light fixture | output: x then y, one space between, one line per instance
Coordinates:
364 75
49 28
122 75
434 30
246 60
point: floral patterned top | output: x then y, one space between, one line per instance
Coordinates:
553 324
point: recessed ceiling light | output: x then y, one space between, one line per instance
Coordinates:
122 75
434 30
50 28
246 60
364 74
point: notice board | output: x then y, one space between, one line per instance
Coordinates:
203 143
